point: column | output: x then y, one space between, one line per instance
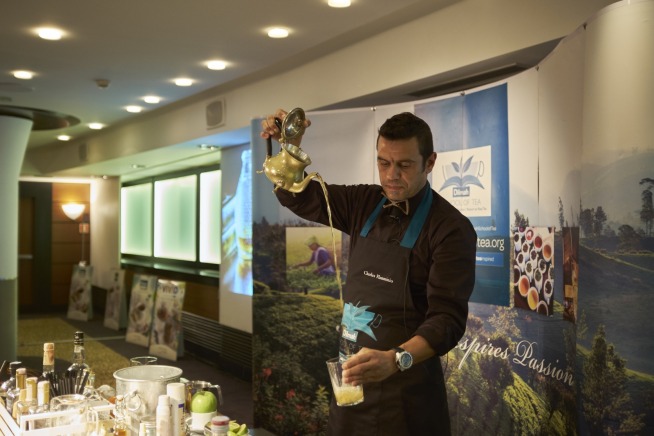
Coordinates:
14 133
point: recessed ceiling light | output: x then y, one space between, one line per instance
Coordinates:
183 81
23 74
216 65
133 109
95 126
63 138
208 147
278 32
151 99
50 33
339 3
138 166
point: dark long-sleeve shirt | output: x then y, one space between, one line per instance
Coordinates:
442 264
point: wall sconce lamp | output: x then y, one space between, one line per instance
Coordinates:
73 210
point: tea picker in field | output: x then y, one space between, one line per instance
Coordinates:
320 256
411 270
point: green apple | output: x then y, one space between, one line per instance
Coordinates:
204 402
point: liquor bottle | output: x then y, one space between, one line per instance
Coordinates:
10 383
42 396
17 405
48 360
120 424
76 369
27 403
13 395
4 371
89 388
42 404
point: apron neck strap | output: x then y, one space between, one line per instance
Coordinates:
417 221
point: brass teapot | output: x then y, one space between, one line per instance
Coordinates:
286 169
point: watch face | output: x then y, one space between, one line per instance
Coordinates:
405 360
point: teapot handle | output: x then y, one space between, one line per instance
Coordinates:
220 393
278 123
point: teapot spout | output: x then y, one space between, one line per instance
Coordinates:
301 186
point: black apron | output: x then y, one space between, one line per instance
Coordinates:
379 314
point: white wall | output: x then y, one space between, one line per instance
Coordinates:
467 32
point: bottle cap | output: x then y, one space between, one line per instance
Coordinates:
21 371
48 346
176 391
164 400
78 338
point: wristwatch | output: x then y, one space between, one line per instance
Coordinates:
403 359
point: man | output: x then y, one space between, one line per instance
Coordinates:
411 272
320 256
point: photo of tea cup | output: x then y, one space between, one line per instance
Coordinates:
538 242
547 251
520 261
532 298
529 235
517 243
538 279
529 269
542 309
548 290
523 285
542 265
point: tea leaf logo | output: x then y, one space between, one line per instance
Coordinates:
463 174
358 318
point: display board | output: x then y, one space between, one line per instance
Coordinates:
166 335
141 305
80 298
115 312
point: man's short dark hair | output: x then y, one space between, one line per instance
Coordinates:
406 126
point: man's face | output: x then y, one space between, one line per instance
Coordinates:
401 170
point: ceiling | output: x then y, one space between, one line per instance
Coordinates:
140 46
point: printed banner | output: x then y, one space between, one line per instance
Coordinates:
141 304
115 312
512 373
80 298
166 334
472 173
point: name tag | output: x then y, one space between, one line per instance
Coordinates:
350 336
